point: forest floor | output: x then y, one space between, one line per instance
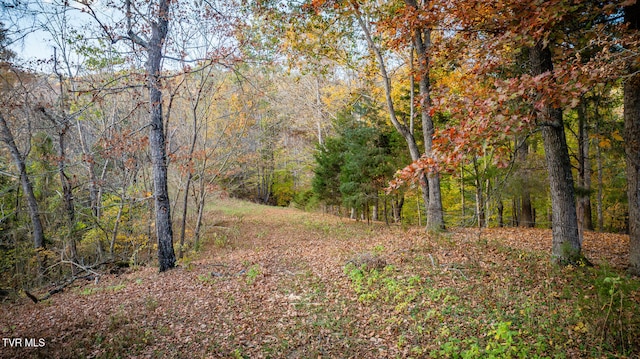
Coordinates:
281 283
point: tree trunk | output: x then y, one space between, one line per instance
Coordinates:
400 205
164 231
200 199
406 132
599 205
584 169
183 225
422 43
487 201
67 194
566 246
526 210
67 191
185 202
515 213
27 187
632 147
87 159
480 207
386 214
116 227
462 199
374 212
480 213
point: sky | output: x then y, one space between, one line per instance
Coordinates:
31 27
38 26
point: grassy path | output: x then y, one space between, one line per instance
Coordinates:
280 283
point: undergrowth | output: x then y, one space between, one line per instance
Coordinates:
515 305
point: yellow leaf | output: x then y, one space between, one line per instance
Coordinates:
617 137
581 328
605 143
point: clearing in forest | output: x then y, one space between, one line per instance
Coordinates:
280 283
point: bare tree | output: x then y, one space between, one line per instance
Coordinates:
154 48
27 187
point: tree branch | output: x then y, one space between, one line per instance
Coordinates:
133 36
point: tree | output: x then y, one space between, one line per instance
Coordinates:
492 42
584 169
354 166
154 48
526 218
566 246
370 21
329 161
406 130
12 88
27 187
632 143
421 41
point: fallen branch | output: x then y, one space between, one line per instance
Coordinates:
86 269
91 274
448 267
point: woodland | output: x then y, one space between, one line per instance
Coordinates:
456 179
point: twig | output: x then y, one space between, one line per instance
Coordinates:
448 267
86 269
433 263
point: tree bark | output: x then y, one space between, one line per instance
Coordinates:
200 200
87 159
405 131
480 213
185 207
422 43
600 178
462 199
584 169
116 227
526 209
164 231
566 246
67 192
27 187
632 147
374 212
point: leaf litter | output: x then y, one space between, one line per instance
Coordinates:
281 286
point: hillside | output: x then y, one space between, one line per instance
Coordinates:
280 283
